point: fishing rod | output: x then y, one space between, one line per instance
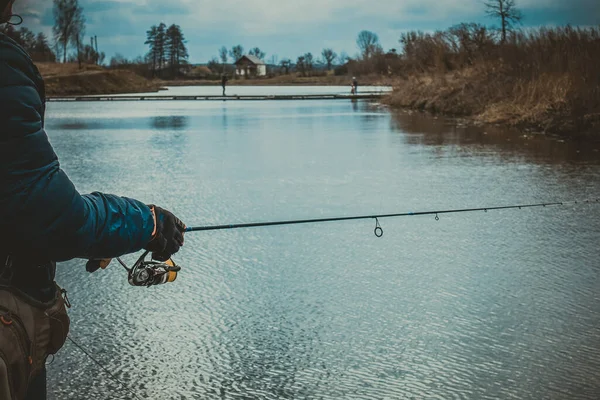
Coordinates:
149 272
378 230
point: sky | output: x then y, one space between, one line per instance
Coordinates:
288 28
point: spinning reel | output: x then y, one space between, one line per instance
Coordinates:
150 272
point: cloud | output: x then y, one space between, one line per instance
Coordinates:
289 27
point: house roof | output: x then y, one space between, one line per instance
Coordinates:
252 59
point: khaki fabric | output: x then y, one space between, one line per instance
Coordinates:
4 385
29 332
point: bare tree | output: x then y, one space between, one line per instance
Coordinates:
78 33
328 56
69 24
343 57
368 43
308 62
301 66
507 11
236 52
42 51
286 63
257 53
223 55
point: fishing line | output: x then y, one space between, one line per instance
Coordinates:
142 266
103 367
378 229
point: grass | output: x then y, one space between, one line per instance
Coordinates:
544 79
69 80
288 79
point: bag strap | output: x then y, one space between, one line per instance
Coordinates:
6 270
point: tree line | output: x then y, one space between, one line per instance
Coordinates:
37 46
168 54
168 51
305 63
68 34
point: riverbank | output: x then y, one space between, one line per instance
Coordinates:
483 96
69 80
545 80
291 79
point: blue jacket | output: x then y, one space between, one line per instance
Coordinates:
41 212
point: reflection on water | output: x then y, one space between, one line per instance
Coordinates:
475 306
422 129
170 122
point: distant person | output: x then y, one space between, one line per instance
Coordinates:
354 86
224 82
43 220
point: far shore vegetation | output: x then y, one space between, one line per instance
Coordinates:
545 79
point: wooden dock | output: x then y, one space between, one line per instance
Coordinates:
373 95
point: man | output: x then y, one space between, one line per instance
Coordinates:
354 85
43 219
224 82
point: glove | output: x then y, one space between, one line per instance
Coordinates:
168 237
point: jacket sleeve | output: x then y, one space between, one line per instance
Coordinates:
40 209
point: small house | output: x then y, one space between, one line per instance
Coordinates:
250 66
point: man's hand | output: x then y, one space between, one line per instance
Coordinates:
168 236
95 264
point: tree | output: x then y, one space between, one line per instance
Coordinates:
507 11
161 45
11 32
77 39
90 56
368 43
343 57
469 41
28 39
286 63
152 55
223 54
175 49
236 52
41 50
36 45
308 62
214 65
300 66
118 60
257 53
328 57
69 23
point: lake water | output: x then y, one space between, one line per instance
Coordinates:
503 304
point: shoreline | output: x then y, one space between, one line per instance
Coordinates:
69 80
465 97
